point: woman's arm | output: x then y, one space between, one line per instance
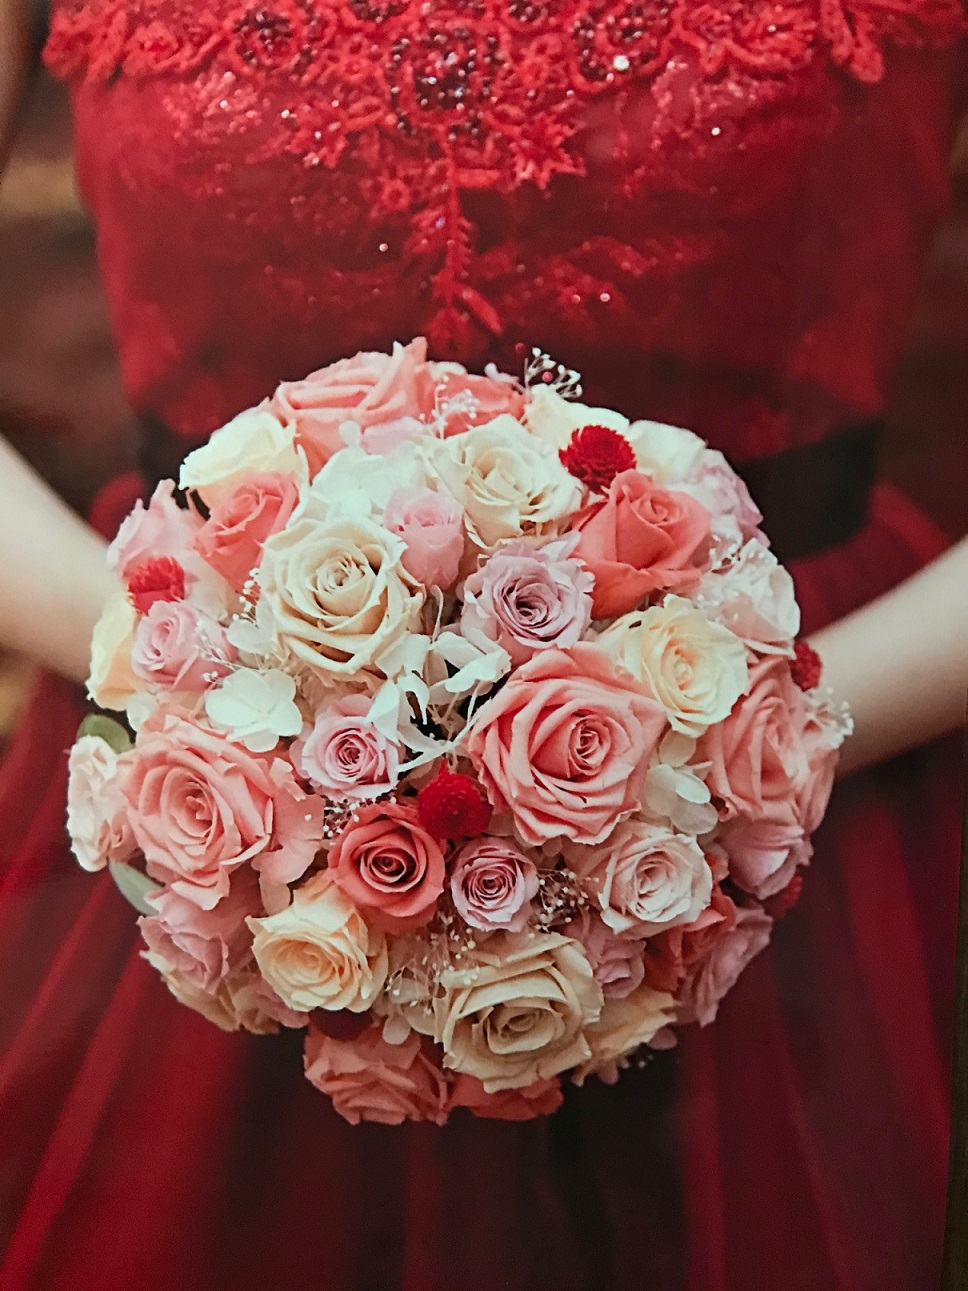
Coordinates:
901 662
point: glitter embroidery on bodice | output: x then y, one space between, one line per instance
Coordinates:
693 203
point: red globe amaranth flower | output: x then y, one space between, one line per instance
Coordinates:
595 455
786 899
158 579
806 667
452 806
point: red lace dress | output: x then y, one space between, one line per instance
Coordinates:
717 212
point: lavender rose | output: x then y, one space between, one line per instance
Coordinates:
493 885
345 755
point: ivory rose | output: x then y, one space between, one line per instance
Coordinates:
253 443
96 810
344 755
516 1009
564 747
754 597
112 682
370 1080
319 953
554 420
493 885
507 483
162 528
338 594
389 397
528 599
231 539
431 526
540 1099
389 866
668 454
640 539
626 1023
178 649
694 668
646 878
725 957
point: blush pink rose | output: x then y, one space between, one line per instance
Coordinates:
718 970
466 400
758 763
389 866
203 946
200 806
714 484
493 885
529 600
541 1098
640 539
178 648
617 962
432 526
345 755
163 528
231 539
370 1080
763 854
821 746
564 747
97 818
389 396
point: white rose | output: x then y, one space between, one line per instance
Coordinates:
508 482
667 453
515 1012
96 817
695 668
252 443
338 595
112 682
319 953
755 598
626 1024
554 420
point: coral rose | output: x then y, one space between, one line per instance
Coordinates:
540 1099
231 539
465 399
565 746
640 539
370 1080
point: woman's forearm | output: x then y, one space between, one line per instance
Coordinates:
902 662
53 576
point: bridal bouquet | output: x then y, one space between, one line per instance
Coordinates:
472 735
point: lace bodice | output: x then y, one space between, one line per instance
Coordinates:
716 211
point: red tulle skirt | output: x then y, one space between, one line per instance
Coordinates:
799 1142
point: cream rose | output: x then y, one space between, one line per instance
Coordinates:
695 668
215 1006
112 682
319 953
554 420
253 443
516 1011
625 1025
507 481
667 453
338 594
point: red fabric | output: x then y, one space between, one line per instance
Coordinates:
723 227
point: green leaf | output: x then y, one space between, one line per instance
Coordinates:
134 886
107 729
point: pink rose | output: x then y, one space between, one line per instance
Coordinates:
386 395
758 762
256 1005
344 755
763 854
97 818
717 487
432 526
466 400
617 962
539 1099
725 957
754 596
671 955
163 528
179 649
527 600
640 539
201 806
389 866
565 746
370 1080
203 946
821 747
493 885
231 539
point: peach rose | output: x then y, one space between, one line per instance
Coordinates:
370 1080
515 1012
725 957
112 682
540 1099
565 746
319 953
202 945
467 400
389 866
253 443
200 806
215 1006
625 1025
97 818
162 528
431 526
640 539
390 397
763 854
257 1007
231 539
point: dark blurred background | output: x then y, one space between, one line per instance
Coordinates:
61 402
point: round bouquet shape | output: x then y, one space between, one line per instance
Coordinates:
463 726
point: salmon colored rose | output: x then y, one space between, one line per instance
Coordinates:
467 400
565 746
389 866
370 1080
640 539
231 539
540 1099
671 955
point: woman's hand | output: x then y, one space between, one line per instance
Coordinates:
901 662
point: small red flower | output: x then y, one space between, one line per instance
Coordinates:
158 579
785 899
806 667
452 806
595 455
